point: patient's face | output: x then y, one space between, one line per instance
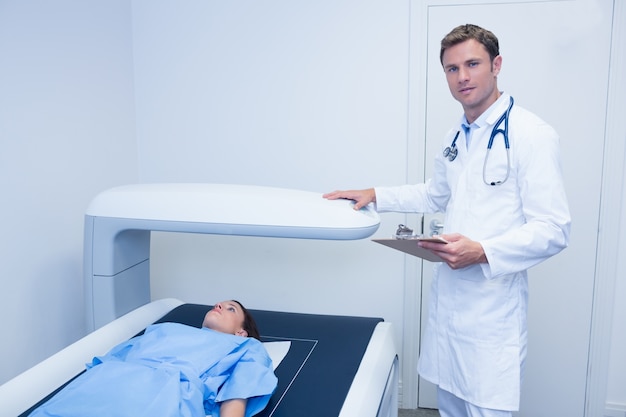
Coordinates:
226 317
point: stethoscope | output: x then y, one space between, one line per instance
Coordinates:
452 151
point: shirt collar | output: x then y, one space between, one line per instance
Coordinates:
493 113
489 116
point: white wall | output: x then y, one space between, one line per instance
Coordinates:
307 95
66 133
210 88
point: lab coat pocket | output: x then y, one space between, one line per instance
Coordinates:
478 315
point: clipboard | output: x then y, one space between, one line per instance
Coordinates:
410 246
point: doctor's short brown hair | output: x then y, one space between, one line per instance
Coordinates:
466 32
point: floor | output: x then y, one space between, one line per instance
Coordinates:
420 412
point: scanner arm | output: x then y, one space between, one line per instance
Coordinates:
119 221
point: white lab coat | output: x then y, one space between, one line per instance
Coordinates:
475 341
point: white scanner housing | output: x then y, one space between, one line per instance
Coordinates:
118 223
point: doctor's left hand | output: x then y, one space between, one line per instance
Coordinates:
459 252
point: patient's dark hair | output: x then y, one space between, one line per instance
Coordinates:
249 324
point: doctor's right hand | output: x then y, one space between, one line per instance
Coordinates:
459 252
361 197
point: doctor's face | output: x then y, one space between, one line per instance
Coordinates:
227 317
472 76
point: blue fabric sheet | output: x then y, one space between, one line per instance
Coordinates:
170 370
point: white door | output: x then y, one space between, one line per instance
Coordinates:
555 63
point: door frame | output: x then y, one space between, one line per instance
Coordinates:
607 258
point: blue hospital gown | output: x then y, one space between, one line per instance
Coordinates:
171 370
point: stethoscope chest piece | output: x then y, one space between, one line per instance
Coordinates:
452 151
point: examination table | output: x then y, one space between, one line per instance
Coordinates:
335 365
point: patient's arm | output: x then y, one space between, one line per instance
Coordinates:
233 408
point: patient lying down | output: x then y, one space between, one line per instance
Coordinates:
172 369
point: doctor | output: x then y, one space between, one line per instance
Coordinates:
506 211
